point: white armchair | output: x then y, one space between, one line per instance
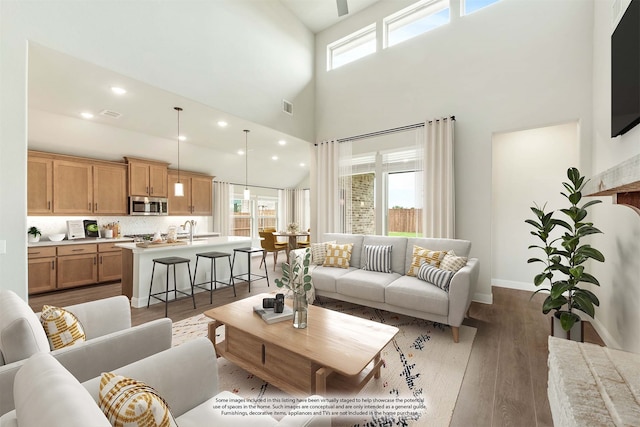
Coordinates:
186 377
110 340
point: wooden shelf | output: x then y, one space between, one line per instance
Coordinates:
622 182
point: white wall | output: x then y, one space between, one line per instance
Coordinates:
529 167
242 57
617 318
514 65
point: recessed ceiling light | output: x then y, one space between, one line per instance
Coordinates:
222 124
182 138
274 157
282 142
118 90
241 152
86 115
302 164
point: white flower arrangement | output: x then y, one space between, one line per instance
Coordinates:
292 227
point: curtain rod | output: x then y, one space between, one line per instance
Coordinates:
256 186
389 131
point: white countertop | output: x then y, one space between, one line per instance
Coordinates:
199 242
84 241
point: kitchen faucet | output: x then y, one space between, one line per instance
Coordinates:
192 224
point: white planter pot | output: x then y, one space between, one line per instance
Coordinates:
34 239
575 334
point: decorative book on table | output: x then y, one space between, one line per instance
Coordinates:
269 316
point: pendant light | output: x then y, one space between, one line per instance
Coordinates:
178 188
247 194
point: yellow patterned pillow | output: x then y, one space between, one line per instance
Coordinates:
62 327
422 255
127 402
338 255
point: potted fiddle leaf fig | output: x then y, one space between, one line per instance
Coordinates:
564 258
34 234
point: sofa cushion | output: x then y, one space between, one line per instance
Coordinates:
377 258
398 253
127 402
45 393
368 285
338 255
423 255
452 262
324 278
415 294
319 252
356 239
21 334
62 327
435 276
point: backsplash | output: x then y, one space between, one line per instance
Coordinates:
128 224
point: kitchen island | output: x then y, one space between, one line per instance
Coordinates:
137 264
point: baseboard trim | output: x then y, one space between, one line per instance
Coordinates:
483 298
604 333
523 286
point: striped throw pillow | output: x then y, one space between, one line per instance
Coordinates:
338 255
435 276
62 327
131 403
377 258
451 262
422 255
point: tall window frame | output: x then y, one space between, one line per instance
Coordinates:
412 21
350 48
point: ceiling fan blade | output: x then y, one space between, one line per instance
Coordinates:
343 7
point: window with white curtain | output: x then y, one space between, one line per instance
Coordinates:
241 219
267 212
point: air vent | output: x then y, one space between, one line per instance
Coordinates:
287 107
112 114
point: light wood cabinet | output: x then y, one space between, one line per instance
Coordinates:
72 187
147 177
77 265
39 186
197 199
68 185
42 269
110 189
109 262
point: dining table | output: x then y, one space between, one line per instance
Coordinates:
293 237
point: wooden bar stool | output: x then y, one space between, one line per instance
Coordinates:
169 261
249 277
213 282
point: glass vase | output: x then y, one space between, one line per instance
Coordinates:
300 310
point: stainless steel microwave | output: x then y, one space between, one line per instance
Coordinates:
148 206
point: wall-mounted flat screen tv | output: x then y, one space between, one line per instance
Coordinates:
625 71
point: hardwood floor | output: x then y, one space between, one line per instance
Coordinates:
505 383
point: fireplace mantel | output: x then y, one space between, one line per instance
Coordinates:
621 181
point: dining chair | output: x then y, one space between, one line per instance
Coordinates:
269 244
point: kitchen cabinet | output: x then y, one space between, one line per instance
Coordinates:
109 189
77 265
39 185
109 262
42 269
72 189
197 194
66 185
147 177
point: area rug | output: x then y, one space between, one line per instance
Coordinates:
418 385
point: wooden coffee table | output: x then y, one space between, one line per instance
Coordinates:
336 353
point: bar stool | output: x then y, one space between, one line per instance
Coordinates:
213 283
169 261
249 276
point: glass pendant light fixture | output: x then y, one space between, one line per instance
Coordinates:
178 188
247 194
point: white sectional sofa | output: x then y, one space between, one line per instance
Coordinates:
186 377
111 341
395 291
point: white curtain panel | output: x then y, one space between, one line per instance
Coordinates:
345 182
222 207
285 208
438 215
331 200
300 208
